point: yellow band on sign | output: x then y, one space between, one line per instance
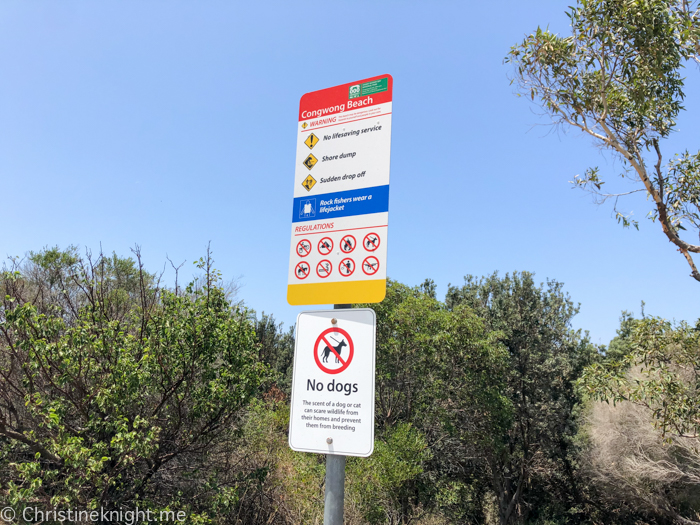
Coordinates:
349 292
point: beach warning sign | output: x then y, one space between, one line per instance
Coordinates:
343 209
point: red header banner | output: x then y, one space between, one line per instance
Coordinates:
346 97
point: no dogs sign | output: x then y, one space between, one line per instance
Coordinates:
323 350
332 408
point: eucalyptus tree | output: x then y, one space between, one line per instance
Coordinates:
619 78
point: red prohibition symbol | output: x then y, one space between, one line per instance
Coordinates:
325 246
348 243
324 268
370 265
371 242
303 248
331 347
302 270
346 267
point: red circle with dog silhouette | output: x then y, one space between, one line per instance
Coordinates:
326 353
371 242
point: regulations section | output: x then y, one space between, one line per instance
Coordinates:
332 408
341 194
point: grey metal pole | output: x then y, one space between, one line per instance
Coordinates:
335 490
334 503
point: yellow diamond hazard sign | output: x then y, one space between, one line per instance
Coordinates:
311 141
304 125
309 183
310 161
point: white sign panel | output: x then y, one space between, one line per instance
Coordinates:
341 194
332 409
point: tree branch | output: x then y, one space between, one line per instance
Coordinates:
35 447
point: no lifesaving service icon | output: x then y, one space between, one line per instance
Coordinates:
334 350
311 141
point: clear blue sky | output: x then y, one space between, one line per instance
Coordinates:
172 124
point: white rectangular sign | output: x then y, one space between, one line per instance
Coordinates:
332 408
341 194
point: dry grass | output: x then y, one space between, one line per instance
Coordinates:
630 459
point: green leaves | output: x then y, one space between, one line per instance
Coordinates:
661 372
107 380
439 401
682 190
538 401
618 78
380 482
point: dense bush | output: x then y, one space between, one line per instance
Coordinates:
118 393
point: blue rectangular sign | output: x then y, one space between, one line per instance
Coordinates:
341 204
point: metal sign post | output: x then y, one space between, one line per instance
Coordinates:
334 501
